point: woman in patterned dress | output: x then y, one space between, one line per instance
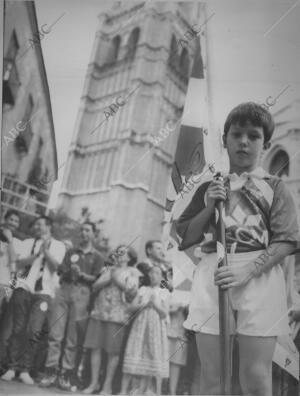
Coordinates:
117 285
147 350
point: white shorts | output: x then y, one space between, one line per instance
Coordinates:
260 305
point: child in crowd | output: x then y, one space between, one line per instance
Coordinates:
147 350
261 230
117 286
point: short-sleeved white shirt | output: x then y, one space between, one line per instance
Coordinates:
50 279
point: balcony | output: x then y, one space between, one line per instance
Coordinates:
25 198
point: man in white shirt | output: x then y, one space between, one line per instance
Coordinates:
31 300
155 257
81 266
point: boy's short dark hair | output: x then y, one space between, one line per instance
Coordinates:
93 225
257 114
11 212
149 245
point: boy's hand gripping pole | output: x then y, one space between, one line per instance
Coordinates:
225 355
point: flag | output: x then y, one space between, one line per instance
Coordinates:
189 161
286 356
189 156
183 262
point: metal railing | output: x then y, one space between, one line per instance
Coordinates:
23 197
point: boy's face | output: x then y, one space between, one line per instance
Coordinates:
245 145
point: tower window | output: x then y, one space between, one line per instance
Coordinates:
173 57
184 62
132 43
279 164
116 48
11 81
179 64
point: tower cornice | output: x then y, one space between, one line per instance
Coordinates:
113 144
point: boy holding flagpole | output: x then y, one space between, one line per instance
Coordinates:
261 230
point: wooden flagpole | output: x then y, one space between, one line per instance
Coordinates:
225 355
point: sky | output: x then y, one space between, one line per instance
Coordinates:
66 50
253 53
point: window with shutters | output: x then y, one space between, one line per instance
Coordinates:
11 82
23 140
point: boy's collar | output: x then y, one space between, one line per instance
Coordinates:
258 172
238 181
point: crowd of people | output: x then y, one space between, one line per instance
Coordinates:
74 319
113 325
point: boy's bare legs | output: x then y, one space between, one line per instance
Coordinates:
95 368
256 354
209 352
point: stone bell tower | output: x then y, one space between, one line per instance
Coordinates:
135 86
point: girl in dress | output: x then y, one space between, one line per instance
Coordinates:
117 285
147 350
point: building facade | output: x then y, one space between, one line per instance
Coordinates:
29 162
283 158
121 155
